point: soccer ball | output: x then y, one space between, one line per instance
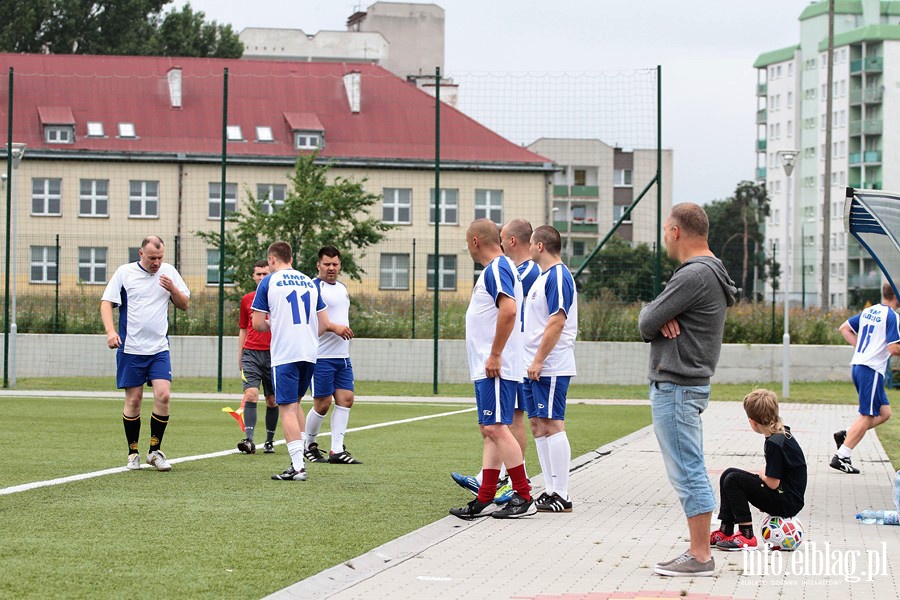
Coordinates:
781 533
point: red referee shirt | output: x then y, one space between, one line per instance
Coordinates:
256 340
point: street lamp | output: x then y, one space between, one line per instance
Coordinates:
17 151
787 161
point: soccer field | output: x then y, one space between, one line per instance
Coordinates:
220 527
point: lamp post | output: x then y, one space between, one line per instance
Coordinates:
9 354
787 161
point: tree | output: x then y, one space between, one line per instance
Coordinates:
735 232
315 213
118 27
625 271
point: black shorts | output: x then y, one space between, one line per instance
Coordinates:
256 370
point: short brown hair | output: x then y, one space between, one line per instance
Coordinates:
152 240
520 229
549 237
887 291
329 251
691 219
261 264
761 405
282 251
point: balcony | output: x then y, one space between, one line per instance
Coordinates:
588 225
867 96
864 281
870 156
761 89
870 64
585 191
761 116
868 127
561 191
575 261
760 145
760 172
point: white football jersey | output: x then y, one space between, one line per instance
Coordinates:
876 328
292 302
335 296
554 290
143 306
498 277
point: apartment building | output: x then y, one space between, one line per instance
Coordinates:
865 142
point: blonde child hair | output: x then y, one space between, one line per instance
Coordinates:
762 406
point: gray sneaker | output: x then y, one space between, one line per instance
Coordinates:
686 566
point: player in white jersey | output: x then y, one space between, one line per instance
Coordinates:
515 241
494 350
296 319
551 324
875 334
142 291
333 374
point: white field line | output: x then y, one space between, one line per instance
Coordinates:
81 477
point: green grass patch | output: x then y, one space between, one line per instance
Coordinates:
220 527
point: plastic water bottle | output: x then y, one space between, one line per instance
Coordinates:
897 491
881 517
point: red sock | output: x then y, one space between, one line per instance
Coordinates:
488 488
520 481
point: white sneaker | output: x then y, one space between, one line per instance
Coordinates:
134 462
158 460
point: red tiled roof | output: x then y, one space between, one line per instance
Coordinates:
395 122
56 115
303 122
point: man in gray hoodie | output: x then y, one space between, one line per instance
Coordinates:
684 326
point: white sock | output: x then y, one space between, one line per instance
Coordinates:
543 452
340 416
560 457
295 449
844 451
480 477
313 425
502 471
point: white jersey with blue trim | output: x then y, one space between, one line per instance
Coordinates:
335 296
292 302
554 290
498 277
143 306
528 274
876 328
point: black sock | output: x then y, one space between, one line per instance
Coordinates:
132 431
157 429
271 422
727 528
746 531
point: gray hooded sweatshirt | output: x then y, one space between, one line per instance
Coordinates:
696 296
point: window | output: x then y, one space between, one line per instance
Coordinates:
59 134
580 177
93 200
477 268
578 248
618 211
306 140
790 100
212 269
790 73
270 196
579 211
396 206
489 205
94 129
449 207
92 265
215 199
46 197
234 133
264 134
126 130
143 199
134 254
446 272
43 264
622 177
394 274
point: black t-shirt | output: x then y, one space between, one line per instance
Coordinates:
785 461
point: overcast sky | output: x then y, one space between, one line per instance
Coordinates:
706 49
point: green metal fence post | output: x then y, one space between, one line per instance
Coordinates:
657 280
9 175
222 228
437 216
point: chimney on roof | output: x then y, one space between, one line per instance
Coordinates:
174 77
352 85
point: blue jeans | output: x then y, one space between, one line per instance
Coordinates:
676 413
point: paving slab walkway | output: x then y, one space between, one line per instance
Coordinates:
627 517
